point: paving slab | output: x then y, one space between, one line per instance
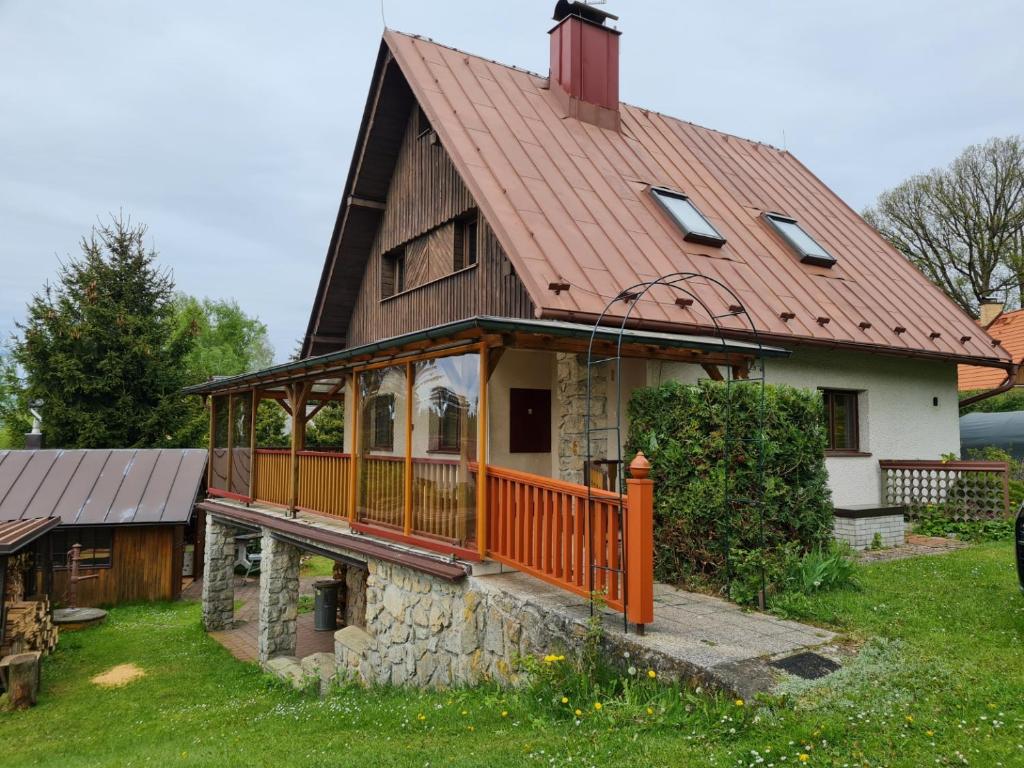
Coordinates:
695 637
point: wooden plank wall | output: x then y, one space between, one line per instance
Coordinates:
427 192
146 565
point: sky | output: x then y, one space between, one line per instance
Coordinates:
228 127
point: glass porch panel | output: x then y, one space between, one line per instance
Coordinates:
241 448
219 443
446 398
380 471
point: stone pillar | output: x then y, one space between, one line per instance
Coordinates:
279 598
355 597
219 576
571 396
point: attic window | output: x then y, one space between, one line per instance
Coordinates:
696 228
806 247
392 278
465 242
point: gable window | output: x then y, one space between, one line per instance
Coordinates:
392 278
807 248
696 228
380 414
841 420
97 547
447 413
465 243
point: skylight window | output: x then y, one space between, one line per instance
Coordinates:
806 247
695 227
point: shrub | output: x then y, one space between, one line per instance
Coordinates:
682 430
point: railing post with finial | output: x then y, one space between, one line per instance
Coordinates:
640 543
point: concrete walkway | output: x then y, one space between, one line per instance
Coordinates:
697 637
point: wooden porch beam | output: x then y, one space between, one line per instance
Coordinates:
713 371
324 400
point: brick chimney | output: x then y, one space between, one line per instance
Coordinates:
585 63
991 308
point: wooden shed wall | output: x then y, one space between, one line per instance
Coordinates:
426 192
146 564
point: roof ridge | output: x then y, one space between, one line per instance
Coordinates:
530 72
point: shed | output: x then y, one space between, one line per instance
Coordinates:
130 509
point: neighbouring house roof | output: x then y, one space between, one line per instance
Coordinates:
18 534
101 487
333 362
1008 328
569 203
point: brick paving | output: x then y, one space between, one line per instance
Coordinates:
915 546
241 640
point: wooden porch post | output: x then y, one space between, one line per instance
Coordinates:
209 456
481 449
256 397
353 477
407 511
231 440
297 394
640 544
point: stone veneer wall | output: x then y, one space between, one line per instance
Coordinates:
279 597
218 576
571 408
425 631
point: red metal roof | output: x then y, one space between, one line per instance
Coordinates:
16 534
1009 329
569 204
101 487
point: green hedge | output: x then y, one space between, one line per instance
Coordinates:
681 428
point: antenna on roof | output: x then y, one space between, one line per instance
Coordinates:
383 20
784 147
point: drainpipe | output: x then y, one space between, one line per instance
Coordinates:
1006 386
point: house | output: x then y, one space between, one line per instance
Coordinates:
499 232
131 511
1008 329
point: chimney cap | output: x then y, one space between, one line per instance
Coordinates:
587 12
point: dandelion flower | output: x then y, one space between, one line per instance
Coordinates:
631 671
597 705
578 712
910 718
565 699
740 702
504 713
650 711
652 674
803 757
929 733
421 717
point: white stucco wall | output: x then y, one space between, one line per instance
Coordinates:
527 369
897 417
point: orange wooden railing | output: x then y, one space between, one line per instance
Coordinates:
545 527
273 476
381 490
442 498
323 482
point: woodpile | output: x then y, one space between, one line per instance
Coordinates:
29 622
29 627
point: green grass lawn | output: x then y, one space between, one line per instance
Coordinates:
940 681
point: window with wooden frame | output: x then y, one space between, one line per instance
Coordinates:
447 413
465 253
97 547
392 277
380 415
842 420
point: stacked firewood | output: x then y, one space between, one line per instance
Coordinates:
29 624
29 627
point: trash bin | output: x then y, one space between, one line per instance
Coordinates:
325 604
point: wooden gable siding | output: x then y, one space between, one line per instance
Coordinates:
426 193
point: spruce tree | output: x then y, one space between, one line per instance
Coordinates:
100 347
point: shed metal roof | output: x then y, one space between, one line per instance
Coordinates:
101 486
17 534
569 203
1009 329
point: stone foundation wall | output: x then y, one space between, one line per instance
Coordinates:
218 576
429 632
